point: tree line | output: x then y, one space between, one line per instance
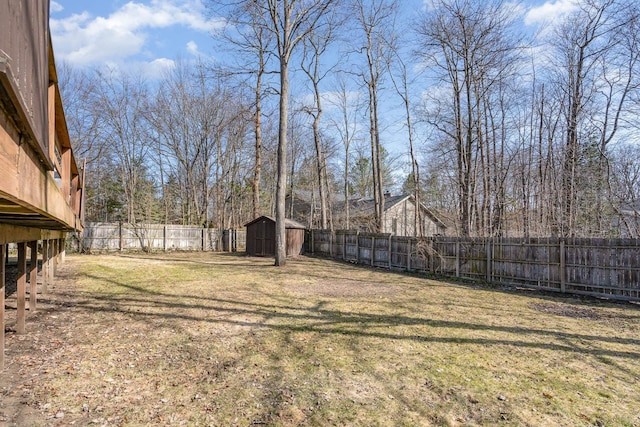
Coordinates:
500 131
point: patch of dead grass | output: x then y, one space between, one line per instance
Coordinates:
210 339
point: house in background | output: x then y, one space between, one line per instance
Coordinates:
399 214
626 223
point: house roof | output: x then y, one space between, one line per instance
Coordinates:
365 207
288 223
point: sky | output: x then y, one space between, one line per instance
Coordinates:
144 35
149 35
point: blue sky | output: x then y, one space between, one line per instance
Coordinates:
147 35
150 34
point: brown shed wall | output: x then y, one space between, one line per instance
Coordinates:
295 240
261 238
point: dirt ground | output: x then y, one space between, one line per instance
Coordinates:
24 352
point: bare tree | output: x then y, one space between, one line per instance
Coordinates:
375 19
78 87
249 36
470 53
123 99
190 117
596 73
401 85
289 21
346 125
315 45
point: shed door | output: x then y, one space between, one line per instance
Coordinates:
263 240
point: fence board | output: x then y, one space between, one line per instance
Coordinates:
153 237
598 267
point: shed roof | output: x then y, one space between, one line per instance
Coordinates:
288 223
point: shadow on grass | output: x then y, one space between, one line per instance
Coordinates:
317 319
231 258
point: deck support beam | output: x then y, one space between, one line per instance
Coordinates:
33 276
3 251
22 285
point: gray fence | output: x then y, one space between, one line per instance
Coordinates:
100 236
598 267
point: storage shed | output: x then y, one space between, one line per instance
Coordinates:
261 237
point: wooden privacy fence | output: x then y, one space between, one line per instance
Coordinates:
100 236
598 267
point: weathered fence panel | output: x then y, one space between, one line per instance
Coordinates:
598 267
155 237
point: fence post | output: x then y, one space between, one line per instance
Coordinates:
389 252
313 249
409 243
431 263
344 246
457 258
331 243
120 244
164 238
204 239
357 247
489 259
373 250
234 240
563 267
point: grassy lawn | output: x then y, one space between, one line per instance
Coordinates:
209 339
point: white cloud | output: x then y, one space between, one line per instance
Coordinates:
192 47
56 7
157 68
83 39
550 11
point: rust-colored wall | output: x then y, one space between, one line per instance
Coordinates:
24 40
295 240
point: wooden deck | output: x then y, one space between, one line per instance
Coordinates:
41 186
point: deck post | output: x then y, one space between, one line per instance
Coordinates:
22 284
63 249
54 258
33 276
45 265
50 254
3 251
